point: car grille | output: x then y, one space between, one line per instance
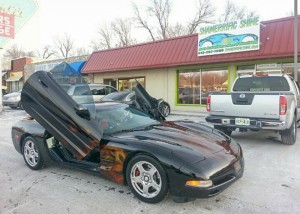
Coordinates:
224 176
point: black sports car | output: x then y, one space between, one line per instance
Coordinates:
129 98
126 145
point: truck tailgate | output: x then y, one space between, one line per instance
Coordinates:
256 105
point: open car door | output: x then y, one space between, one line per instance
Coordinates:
70 123
146 103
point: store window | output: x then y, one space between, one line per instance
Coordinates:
195 85
189 87
288 68
111 82
245 70
128 84
273 68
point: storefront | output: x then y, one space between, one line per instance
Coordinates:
14 81
174 69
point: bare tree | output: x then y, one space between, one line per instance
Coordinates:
118 34
142 21
95 45
14 52
177 30
205 12
160 10
82 51
105 39
233 12
46 52
64 45
122 32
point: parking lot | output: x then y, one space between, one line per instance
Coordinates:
271 182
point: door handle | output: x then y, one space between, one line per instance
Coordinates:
43 84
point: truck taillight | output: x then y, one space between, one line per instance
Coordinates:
208 103
282 105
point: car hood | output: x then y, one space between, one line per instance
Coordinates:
187 141
15 94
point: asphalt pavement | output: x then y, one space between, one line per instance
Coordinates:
271 181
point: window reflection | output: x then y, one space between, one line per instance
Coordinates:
128 84
195 85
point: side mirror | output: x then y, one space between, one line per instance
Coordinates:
82 111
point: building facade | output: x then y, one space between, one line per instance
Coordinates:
171 69
15 77
63 70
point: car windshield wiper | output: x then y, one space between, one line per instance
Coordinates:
140 129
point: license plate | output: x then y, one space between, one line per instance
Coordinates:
242 121
237 166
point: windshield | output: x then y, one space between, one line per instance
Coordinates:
115 96
122 118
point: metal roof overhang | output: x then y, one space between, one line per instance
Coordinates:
14 79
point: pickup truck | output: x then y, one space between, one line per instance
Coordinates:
258 102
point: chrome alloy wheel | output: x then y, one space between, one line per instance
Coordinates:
31 153
145 179
166 110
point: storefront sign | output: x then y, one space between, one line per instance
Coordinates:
14 14
7 25
236 36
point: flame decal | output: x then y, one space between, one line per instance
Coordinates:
112 161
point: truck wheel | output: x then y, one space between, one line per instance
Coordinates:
223 129
289 135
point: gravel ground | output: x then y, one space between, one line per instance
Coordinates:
271 182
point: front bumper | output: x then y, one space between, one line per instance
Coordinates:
221 181
13 104
255 123
222 184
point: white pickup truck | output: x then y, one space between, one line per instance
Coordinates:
258 102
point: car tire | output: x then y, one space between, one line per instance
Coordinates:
147 179
165 109
289 135
224 130
31 153
20 105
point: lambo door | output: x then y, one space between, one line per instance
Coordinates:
147 103
70 123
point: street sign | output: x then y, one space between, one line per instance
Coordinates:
14 14
7 25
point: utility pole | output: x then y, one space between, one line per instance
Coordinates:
295 40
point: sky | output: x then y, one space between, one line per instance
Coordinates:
82 18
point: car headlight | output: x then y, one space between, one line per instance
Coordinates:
200 184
